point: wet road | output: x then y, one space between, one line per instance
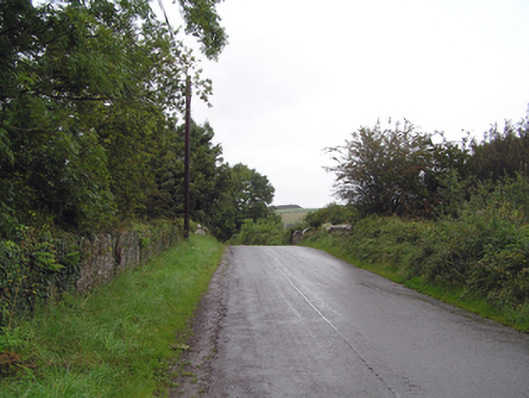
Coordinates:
300 323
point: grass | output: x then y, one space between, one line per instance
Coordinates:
291 217
120 339
517 318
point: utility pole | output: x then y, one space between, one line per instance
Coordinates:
186 157
187 128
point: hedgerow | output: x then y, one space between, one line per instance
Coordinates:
484 251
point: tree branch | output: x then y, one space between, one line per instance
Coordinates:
72 98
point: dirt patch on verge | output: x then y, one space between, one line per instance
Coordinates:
193 371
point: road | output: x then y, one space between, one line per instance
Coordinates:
300 323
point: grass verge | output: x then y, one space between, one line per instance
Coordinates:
119 340
517 318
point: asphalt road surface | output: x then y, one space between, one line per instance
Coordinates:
300 323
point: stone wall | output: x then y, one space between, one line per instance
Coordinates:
105 255
41 268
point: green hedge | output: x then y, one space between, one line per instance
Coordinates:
484 252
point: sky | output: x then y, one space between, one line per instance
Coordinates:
301 75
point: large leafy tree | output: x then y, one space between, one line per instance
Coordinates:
222 197
243 194
57 166
253 193
167 196
88 92
394 169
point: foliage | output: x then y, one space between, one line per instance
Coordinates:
41 265
457 223
501 154
332 213
484 249
268 232
89 92
243 194
203 22
119 340
482 253
32 268
394 169
384 169
222 197
433 257
166 199
252 193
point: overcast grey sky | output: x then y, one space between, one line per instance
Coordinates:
300 75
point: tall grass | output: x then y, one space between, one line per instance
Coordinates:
119 340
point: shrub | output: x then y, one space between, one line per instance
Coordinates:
484 251
263 232
32 267
332 213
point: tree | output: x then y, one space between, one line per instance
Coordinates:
169 166
88 93
243 194
222 197
390 169
51 93
502 154
203 22
252 193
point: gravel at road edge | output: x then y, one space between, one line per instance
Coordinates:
191 374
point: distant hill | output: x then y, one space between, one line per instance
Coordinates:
288 207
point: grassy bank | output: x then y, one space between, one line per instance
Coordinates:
118 340
402 252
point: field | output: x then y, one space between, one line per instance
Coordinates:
291 217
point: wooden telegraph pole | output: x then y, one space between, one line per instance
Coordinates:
186 157
187 128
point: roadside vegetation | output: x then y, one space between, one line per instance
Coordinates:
450 220
92 98
91 140
269 232
119 340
